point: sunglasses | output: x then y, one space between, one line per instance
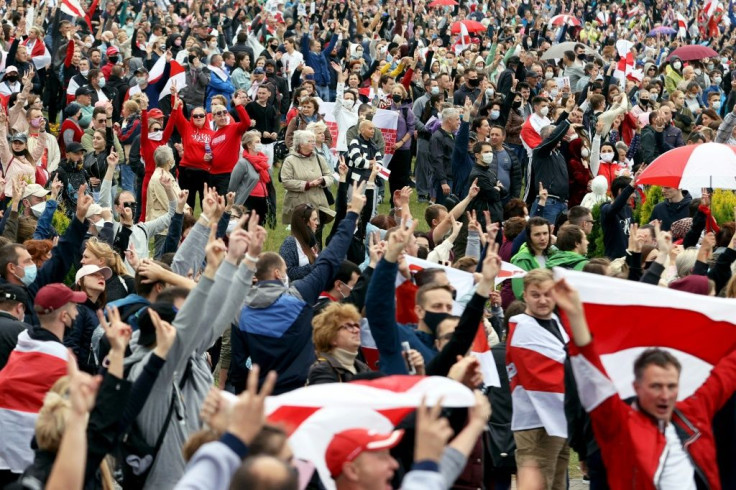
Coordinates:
198 116
102 120
219 113
130 205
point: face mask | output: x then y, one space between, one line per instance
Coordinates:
36 122
676 65
84 73
433 320
516 105
653 97
724 60
544 111
584 152
473 82
716 105
479 67
113 59
259 148
698 71
607 157
155 135
548 75
710 66
38 209
29 275
285 281
717 80
99 225
495 114
140 80
389 58
348 103
487 158
434 90
573 137
101 82
489 93
554 93
232 224
396 98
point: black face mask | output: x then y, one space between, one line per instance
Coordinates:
473 82
274 47
516 104
396 98
11 79
433 320
19 153
113 59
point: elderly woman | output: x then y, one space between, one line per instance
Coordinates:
250 177
305 176
319 129
308 112
336 337
157 202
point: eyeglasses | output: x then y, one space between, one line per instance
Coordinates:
350 326
198 116
129 205
102 120
219 113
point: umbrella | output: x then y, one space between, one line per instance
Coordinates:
663 30
443 3
694 167
693 52
559 20
558 50
471 25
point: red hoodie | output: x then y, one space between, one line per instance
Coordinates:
193 139
225 143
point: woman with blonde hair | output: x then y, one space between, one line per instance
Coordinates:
99 253
336 338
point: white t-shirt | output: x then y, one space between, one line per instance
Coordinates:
290 62
677 472
541 260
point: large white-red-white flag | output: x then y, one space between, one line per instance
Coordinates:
710 7
681 25
314 414
628 317
177 76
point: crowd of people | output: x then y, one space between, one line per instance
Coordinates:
202 208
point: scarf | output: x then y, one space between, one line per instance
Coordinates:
345 358
260 163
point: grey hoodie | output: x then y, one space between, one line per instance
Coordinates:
198 324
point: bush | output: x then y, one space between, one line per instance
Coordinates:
643 212
722 205
595 239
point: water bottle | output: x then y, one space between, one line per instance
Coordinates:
207 149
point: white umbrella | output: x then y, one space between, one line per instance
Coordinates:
694 167
557 51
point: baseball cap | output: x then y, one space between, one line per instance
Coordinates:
141 70
532 74
74 147
11 292
83 90
259 71
11 69
473 136
53 296
347 445
94 209
147 331
112 51
34 190
91 269
19 137
155 114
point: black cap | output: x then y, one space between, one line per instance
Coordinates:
83 90
74 147
11 292
532 74
147 331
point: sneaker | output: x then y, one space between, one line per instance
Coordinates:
380 199
422 198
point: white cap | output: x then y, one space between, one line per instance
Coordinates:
35 190
91 269
94 209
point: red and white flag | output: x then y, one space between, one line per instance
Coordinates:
710 7
681 25
32 369
314 414
628 317
463 42
176 76
625 65
72 7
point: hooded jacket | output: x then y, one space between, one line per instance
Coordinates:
276 322
669 212
567 260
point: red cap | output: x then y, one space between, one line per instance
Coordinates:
155 114
112 51
53 296
347 445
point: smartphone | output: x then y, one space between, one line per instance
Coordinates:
405 348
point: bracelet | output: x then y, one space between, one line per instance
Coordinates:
250 258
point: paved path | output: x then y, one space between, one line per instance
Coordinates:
575 484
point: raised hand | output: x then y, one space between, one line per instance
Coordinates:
84 201
248 413
56 187
165 334
399 239
432 432
113 158
118 333
358 199
82 388
239 242
214 251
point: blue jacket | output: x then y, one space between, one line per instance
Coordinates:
462 161
318 62
79 337
218 86
380 307
276 324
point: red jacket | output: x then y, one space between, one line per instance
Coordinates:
632 442
193 139
148 147
78 133
225 143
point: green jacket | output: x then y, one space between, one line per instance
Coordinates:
528 262
567 260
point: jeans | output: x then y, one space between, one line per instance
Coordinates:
324 93
127 178
551 210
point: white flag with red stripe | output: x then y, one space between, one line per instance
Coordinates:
32 368
177 77
72 7
628 317
314 414
681 25
625 65
463 42
710 7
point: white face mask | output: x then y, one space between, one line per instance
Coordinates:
584 152
698 71
434 90
37 209
99 225
676 65
548 75
554 93
716 105
232 224
155 135
607 157
487 158
259 148
573 137
717 80
489 93
544 111
84 73
348 103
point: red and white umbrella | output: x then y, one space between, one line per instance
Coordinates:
694 167
561 19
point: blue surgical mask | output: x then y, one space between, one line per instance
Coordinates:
29 275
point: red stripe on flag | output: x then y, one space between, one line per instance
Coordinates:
535 371
26 378
290 418
647 326
397 384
